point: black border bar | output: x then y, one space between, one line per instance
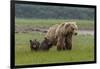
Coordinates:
12 33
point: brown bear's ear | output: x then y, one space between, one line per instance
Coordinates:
45 38
67 25
62 24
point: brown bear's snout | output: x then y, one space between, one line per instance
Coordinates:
75 33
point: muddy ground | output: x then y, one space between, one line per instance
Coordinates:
44 30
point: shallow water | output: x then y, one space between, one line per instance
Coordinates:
86 32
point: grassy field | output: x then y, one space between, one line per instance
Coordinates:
83 50
83 45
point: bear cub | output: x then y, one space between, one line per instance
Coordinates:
34 45
45 45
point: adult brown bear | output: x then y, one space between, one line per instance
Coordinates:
61 35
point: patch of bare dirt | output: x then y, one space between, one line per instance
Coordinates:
44 30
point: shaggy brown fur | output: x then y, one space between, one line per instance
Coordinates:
68 41
59 35
45 45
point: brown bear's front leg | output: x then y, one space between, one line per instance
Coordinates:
60 43
68 42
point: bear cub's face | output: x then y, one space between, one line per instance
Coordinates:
34 45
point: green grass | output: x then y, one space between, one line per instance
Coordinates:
82 24
83 50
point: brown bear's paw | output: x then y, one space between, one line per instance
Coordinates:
64 48
69 48
58 48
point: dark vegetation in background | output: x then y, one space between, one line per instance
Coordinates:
53 12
